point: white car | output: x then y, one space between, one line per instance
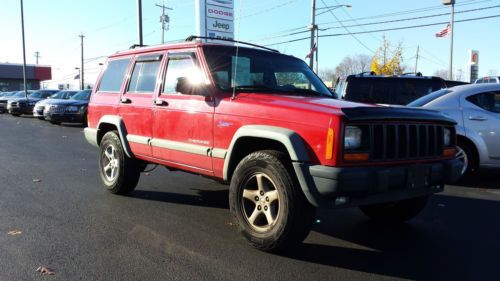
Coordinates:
476 109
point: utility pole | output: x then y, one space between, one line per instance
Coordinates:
82 80
416 59
24 52
37 56
139 19
313 31
164 19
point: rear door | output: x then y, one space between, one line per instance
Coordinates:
183 124
482 114
136 102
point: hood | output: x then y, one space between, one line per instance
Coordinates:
28 99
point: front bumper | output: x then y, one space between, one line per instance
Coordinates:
3 107
334 187
64 117
20 110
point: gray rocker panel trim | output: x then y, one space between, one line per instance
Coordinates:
91 136
291 140
180 146
138 139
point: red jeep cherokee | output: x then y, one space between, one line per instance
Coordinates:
265 123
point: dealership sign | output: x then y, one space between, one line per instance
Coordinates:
215 19
473 65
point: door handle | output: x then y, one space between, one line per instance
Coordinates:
477 118
125 100
161 102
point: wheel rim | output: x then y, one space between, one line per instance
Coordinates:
260 202
462 157
109 161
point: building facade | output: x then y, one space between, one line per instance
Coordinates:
11 76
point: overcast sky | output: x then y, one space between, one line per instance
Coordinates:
53 26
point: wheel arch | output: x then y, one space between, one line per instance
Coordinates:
109 123
251 138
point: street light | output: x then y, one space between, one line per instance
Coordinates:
315 30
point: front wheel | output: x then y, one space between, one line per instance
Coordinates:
465 155
119 173
395 212
267 203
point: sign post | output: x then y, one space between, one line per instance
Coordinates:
215 19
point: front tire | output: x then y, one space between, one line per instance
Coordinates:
466 156
119 174
267 203
395 212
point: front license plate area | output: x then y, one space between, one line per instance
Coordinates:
418 176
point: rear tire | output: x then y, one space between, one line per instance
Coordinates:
395 212
267 202
119 173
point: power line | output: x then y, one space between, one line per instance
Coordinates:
384 30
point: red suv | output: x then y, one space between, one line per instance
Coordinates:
265 123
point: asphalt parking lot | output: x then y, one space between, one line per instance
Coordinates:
177 226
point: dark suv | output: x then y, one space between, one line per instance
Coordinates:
394 90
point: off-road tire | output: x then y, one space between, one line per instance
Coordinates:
395 212
127 170
295 214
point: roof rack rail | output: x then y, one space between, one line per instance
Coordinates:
192 38
419 74
367 73
137 46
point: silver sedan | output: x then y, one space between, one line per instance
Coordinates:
476 109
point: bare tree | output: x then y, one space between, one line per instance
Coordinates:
349 65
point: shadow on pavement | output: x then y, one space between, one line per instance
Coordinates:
205 198
453 239
482 179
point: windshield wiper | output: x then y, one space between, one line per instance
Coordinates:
256 88
308 92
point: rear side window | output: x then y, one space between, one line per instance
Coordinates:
113 76
143 78
488 101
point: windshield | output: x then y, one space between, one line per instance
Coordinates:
63 95
83 95
430 97
388 90
18 94
261 71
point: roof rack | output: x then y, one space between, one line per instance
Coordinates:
419 74
137 46
367 73
192 38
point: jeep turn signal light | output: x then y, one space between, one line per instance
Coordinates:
329 144
449 152
356 157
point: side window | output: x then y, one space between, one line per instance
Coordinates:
179 66
113 76
143 78
487 101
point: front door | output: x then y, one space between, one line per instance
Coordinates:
137 102
183 124
482 114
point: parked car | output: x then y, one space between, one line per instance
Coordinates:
73 110
2 94
486 80
265 123
12 96
390 90
40 106
24 105
476 109
453 83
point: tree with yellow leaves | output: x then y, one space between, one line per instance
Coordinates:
388 60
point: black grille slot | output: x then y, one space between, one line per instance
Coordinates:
406 141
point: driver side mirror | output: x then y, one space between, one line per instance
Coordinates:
187 87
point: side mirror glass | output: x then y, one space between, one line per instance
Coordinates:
186 87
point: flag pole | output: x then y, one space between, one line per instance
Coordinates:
451 41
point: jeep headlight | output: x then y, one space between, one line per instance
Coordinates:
447 136
72 108
353 137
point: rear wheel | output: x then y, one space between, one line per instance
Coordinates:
119 173
267 203
395 212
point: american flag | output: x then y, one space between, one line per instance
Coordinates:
444 32
311 53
